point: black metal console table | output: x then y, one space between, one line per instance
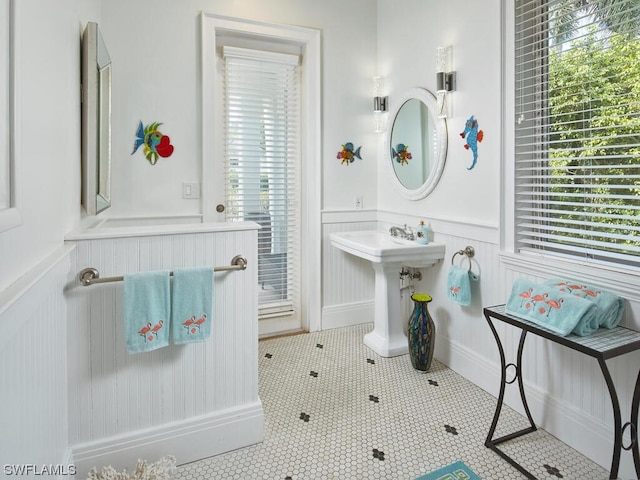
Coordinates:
601 345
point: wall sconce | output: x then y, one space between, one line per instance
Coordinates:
445 78
380 104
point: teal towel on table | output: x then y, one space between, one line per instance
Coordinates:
146 310
191 304
459 285
611 306
548 307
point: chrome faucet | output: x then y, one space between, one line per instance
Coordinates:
406 232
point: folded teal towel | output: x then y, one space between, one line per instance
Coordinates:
146 310
459 285
611 306
547 306
191 304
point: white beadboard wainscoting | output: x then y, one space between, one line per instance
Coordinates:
347 280
191 401
33 366
565 389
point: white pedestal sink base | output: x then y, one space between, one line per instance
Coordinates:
387 256
387 338
386 347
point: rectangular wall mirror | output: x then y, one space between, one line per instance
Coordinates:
96 121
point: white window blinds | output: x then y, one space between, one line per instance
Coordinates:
261 91
577 129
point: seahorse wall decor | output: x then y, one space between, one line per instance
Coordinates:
473 136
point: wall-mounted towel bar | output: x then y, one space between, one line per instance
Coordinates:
468 251
89 276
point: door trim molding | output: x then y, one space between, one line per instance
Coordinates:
211 126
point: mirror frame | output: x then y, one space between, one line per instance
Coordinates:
96 122
428 99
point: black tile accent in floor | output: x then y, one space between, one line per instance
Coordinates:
336 410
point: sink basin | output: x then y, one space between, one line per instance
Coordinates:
387 256
380 247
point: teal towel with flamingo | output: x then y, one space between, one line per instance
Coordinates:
147 306
191 304
459 285
547 306
611 306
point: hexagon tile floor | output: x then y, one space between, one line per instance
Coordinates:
336 410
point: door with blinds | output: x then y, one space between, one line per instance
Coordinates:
262 168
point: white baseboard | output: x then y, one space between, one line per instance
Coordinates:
347 315
69 473
586 434
188 441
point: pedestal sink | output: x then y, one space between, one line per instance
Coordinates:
387 255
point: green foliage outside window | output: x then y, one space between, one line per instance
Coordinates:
594 101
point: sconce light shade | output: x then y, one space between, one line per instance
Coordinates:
378 85
445 78
380 103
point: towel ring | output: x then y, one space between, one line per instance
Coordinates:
469 252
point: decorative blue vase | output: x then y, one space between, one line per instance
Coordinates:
422 333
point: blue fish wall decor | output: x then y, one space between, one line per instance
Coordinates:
154 143
348 155
473 136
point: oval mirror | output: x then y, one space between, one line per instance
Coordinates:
417 143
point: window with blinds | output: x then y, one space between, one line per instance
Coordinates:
261 94
577 129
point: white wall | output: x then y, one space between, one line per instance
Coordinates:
33 261
154 46
49 155
408 34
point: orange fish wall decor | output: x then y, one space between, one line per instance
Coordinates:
401 154
348 155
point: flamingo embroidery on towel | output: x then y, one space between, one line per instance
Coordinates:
453 291
525 296
148 329
577 290
201 320
191 324
553 304
157 327
188 322
532 301
539 298
143 332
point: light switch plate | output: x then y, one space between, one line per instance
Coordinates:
190 190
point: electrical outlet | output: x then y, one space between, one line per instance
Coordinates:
190 190
358 203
